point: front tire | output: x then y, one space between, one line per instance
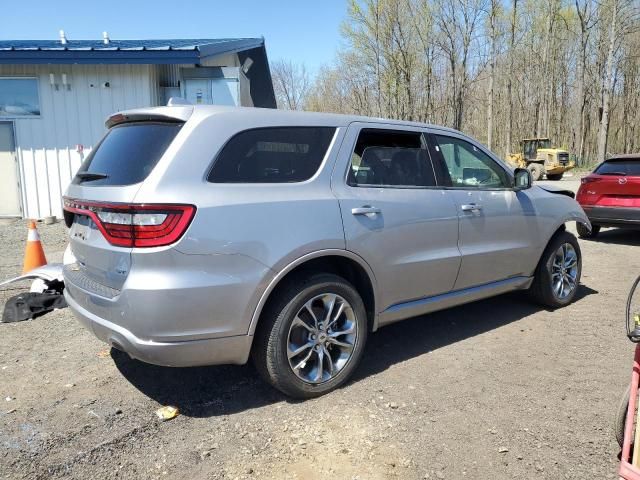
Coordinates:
557 275
537 170
584 232
312 335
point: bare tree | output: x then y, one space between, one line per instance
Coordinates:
501 70
493 40
585 11
291 84
457 22
607 84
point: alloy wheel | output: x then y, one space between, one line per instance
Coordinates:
564 271
322 338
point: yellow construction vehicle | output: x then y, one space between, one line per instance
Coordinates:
541 158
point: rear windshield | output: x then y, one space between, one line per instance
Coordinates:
272 155
619 167
127 154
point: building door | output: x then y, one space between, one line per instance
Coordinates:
9 186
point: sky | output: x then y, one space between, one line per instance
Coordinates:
304 31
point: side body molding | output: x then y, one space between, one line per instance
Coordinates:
305 258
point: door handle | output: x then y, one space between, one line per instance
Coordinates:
365 210
471 207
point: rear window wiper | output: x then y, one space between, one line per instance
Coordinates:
90 176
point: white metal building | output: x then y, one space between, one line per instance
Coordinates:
56 95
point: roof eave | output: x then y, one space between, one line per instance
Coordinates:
99 57
233 46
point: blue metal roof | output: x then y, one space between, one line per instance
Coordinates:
174 51
121 51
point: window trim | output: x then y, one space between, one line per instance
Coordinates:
390 128
440 159
38 93
313 177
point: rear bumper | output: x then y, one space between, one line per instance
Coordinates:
613 216
189 353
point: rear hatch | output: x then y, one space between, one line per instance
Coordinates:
105 225
615 183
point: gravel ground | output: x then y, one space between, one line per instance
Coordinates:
498 389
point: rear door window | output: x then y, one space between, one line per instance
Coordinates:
272 155
620 167
390 158
127 153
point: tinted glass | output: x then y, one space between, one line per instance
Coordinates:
272 155
390 158
468 166
127 154
619 167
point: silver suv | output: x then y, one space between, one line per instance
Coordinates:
203 235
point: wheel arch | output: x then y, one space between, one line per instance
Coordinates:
574 216
562 227
341 262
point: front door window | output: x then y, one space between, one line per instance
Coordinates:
468 166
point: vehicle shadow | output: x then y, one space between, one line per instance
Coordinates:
617 236
221 390
414 337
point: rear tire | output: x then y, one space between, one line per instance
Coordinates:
307 316
557 275
584 232
554 176
536 171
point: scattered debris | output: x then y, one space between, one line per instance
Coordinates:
105 352
503 450
26 306
167 413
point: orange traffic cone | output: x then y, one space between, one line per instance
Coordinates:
33 254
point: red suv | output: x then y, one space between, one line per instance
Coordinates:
610 195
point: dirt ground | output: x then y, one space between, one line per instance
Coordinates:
498 389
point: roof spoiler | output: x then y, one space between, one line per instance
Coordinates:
177 114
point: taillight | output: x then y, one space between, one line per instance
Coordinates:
589 179
136 225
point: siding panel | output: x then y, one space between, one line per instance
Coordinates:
46 145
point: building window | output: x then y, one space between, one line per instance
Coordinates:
19 97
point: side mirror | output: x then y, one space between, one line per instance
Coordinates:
522 179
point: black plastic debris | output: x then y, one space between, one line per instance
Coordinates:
26 306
